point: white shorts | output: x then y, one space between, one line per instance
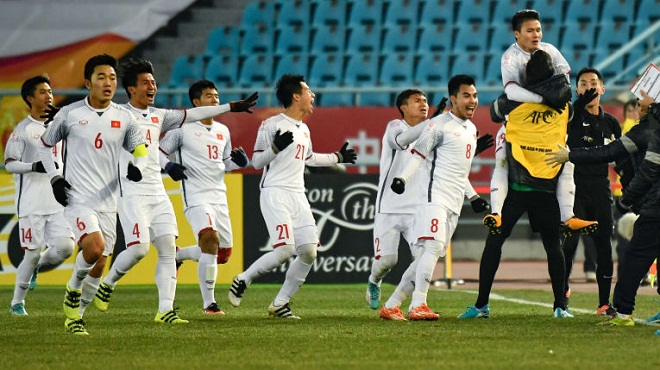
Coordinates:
288 217
146 217
84 221
211 217
388 228
36 231
435 222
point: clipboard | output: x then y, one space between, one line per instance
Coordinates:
649 81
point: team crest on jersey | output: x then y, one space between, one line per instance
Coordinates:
306 135
219 136
198 134
115 124
82 122
36 137
154 119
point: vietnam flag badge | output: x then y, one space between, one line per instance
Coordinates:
115 124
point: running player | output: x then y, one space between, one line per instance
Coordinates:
204 149
95 130
283 148
145 211
40 218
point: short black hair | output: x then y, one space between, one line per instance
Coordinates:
630 103
288 85
588 70
454 84
30 85
99 60
196 89
402 98
539 68
129 69
523 15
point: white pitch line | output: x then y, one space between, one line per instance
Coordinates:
499 297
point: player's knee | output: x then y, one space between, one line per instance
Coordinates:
64 247
307 253
387 262
31 256
436 247
284 252
209 241
139 251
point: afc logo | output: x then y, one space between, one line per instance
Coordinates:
538 117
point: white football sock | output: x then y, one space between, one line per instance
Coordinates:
165 272
125 261
566 192
425 268
295 277
189 253
207 271
80 270
24 274
381 267
58 250
89 287
266 263
405 288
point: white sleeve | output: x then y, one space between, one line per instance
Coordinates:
172 118
499 183
162 159
412 167
469 190
520 94
263 151
321 160
200 113
403 139
171 142
18 167
55 132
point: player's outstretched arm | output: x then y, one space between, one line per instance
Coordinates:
346 154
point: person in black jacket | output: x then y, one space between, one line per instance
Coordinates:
591 126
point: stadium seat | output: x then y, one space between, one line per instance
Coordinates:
551 29
397 70
256 71
473 11
611 70
362 71
432 69
578 35
259 12
257 40
328 38
292 64
648 11
437 12
471 64
399 38
222 70
576 59
612 35
549 10
471 37
186 70
364 38
493 76
501 38
581 10
327 71
504 10
435 38
618 10
401 12
294 12
222 40
366 12
292 38
329 12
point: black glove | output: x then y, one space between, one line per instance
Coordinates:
50 113
585 99
398 185
555 105
479 205
59 190
281 141
39 167
133 173
176 171
346 155
483 143
440 107
239 157
654 109
245 104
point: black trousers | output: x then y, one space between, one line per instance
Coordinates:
593 201
543 213
643 248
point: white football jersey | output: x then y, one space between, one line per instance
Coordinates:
94 140
447 144
153 122
393 160
205 151
288 168
34 195
514 60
